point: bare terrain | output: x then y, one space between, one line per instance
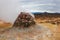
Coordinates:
50 21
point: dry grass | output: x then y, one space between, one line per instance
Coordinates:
53 25
55 28
4 25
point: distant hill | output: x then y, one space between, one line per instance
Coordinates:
46 14
43 13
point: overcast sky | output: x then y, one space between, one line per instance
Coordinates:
9 9
41 5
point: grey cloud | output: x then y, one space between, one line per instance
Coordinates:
48 4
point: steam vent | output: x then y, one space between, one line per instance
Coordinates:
24 19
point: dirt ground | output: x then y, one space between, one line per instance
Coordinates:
55 29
